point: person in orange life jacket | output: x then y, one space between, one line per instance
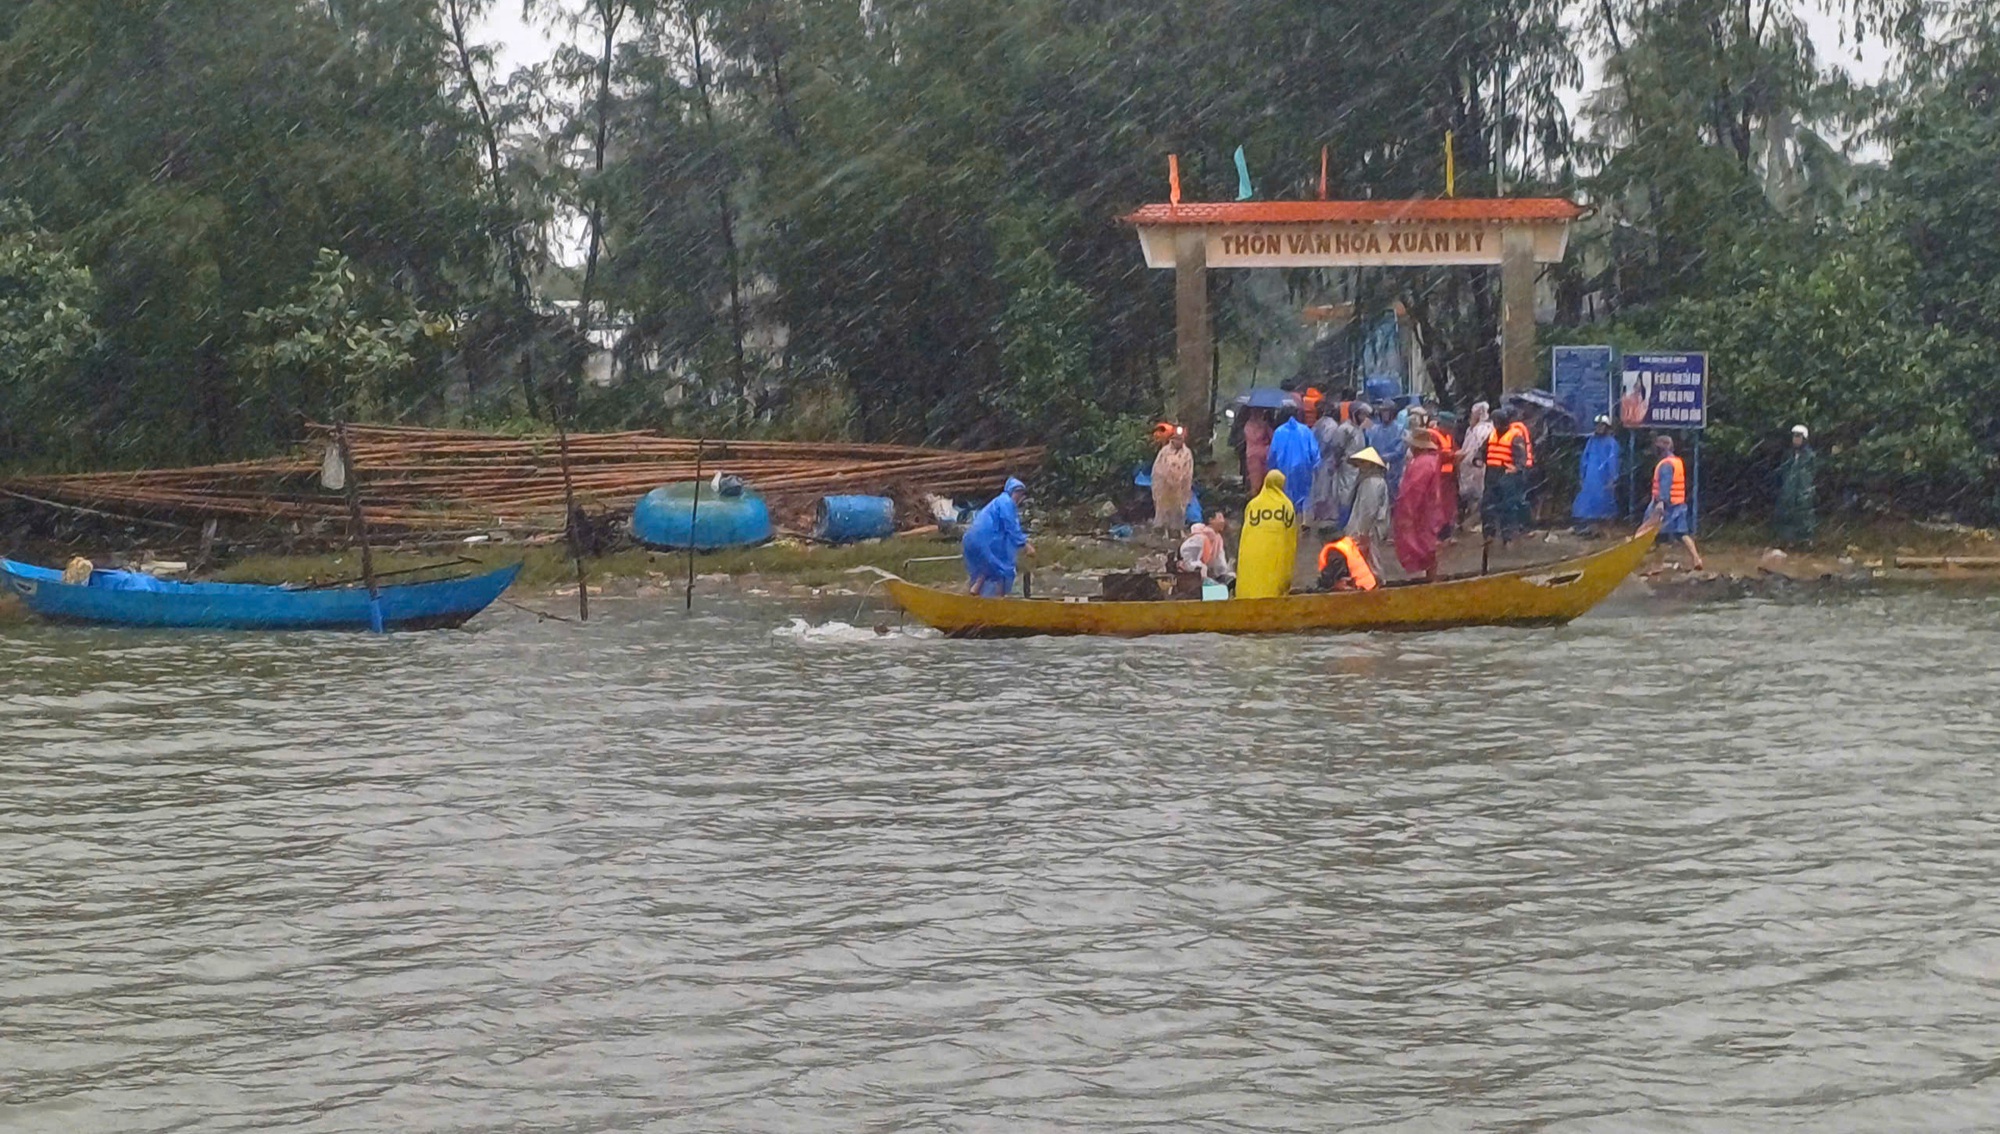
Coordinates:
1342 567
1531 476
1670 495
1309 403
1503 505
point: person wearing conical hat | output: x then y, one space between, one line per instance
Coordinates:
1270 548
1368 512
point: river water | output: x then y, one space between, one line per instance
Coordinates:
1723 867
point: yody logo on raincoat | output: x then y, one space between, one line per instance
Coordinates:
1270 547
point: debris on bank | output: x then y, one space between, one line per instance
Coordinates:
441 480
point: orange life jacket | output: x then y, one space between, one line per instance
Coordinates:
1357 563
1310 405
1677 488
1447 451
1500 450
1527 442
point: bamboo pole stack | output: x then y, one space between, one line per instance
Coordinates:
429 480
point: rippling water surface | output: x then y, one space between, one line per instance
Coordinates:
1715 868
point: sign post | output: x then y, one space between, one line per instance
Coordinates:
1661 391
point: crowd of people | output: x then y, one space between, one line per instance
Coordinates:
1390 475
1372 478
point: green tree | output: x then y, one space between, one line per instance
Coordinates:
1842 345
340 348
46 335
1049 391
196 154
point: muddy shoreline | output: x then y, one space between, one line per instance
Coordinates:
1854 559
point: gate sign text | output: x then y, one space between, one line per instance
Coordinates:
1387 244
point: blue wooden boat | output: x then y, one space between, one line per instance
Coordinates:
128 598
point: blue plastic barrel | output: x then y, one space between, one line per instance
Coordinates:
845 519
667 517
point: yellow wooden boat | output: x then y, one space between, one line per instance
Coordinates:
1546 595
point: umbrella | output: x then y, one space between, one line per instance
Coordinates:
1269 397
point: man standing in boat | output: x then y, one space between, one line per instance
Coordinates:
992 541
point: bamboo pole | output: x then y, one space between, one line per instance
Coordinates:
694 513
569 519
351 481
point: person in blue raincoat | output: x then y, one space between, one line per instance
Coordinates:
1295 452
1386 438
1597 483
992 541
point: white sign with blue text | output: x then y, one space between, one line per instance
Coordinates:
1664 391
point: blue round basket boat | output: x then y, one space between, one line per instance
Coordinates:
667 517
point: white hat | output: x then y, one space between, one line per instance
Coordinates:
1603 419
1801 431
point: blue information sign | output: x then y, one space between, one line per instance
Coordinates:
1664 391
1580 379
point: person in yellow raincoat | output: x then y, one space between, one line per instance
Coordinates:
1270 549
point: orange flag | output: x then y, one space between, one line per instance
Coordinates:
1174 179
1322 173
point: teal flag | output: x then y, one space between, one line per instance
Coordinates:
1242 176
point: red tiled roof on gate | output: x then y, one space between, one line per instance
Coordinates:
1490 209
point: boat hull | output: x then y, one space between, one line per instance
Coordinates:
245 606
1546 595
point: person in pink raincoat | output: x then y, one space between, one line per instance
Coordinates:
1420 512
1256 444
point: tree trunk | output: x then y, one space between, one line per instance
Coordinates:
704 89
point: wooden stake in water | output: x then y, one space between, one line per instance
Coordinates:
569 519
360 525
694 513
